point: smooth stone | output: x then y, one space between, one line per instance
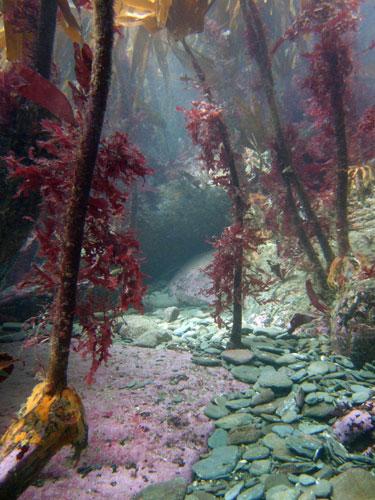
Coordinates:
237 356
174 489
307 495
199 495
269 408
361 397
306 480
152 339
278 381
218 438
319 368
307 428
318 397
255 453
286 359
299 375
234 420
276 479
260 467
273 441
234 491
237 404
267 358
264 396
246 434
254 493
282 492
319 411
283 430
215 412
308 387
171 314
247 374
203 361
219 464
353 484
304 445
323 488
271 332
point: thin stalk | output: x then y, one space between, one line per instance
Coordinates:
339 125
235 194
77 206
46 37
287 171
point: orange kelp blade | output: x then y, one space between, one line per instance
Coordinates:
46 424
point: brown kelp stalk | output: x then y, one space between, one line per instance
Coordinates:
237 199
64 307
46 37
53 416
337 103
259 50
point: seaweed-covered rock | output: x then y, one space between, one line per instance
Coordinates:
352 323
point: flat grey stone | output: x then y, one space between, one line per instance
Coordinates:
254 493
174 489
248 374
319 411
171 314
323 488
283 430
304 445
218 438
278 381
152 339
260 467
262 397
319 368
255 453
306 480
234 420
246 434
205 361
215 412
237 356
219 464
234 491
237 404
353 484
282 492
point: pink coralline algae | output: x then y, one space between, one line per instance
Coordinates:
353 425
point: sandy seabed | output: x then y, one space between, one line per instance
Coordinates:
145 418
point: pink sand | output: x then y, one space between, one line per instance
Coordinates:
137 437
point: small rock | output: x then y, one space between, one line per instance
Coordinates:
215 412
171 314
256 453
218 438
237 356
219 464
306 480
234 420
168 490
245 434
260 467
323 488
152 339
234 491
282 492
278 381
248 374
262 397
254 493
353 484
